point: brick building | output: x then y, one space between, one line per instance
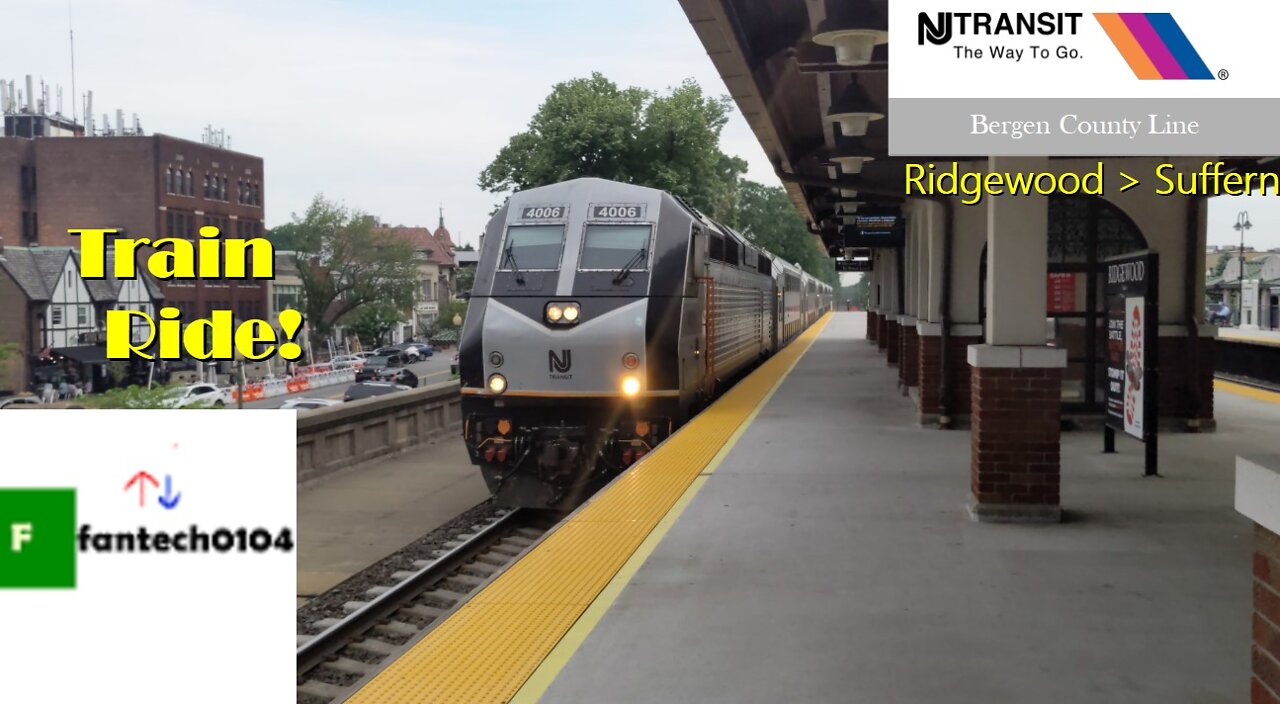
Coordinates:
143 185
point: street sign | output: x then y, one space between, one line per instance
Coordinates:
1132 288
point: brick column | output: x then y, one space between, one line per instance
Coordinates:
929 366
1258 497
882 325
909 369
1177 382
1014 436
873 325
892 346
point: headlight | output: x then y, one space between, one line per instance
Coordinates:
630 386
631 360
563 313
497 383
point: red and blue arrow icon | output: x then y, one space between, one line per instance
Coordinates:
169 500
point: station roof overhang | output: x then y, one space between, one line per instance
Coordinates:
784 83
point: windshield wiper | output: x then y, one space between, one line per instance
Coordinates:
510 256
625 271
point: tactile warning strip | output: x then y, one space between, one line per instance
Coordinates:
487 649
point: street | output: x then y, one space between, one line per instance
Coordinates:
432 370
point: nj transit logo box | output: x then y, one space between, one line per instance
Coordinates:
39 538
1199 79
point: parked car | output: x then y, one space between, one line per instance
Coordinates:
197 395
347 361
371 365
398 375
18 401
307 404
422 349
369 389
363 355
453 365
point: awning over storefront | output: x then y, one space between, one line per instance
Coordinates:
85 354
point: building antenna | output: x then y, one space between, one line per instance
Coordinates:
71 29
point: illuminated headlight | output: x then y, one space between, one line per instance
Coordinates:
497 383
630 386
563 313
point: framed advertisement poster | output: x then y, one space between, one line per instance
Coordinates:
1132 289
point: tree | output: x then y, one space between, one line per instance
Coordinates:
345 264
447 312
371 322
589 127
466 279
766 216
284 238
1221 265
859 294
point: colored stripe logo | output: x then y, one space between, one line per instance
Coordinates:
1154 46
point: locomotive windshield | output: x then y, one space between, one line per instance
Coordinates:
615 247
532 247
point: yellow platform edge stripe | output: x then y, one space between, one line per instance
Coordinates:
551 666
1248 391
1272 341
489 648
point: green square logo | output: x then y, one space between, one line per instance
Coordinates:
37 538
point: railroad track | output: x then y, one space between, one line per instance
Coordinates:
349 650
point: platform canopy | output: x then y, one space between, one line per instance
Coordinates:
795 84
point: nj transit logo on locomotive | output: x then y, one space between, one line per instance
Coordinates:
560 364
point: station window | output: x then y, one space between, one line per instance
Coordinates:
531 247
615 246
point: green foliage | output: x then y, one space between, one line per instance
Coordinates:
7 349
447 311
766 216
372 321
344 265
129 397
284 237
859 294
589 127
1221 265
466 279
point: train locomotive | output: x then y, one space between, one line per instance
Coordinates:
603 316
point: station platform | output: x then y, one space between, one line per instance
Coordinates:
805 540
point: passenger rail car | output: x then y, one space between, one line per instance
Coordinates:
602 317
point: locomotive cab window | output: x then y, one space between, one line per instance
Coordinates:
614 247
532 247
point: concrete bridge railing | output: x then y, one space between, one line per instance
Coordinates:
334 438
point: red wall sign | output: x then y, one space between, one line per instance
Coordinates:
1061 293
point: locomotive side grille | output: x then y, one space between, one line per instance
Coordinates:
737 314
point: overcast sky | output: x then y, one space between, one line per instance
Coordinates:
391 107
394 106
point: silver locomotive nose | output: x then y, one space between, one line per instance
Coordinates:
602 355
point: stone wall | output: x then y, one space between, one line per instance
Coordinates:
330 439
